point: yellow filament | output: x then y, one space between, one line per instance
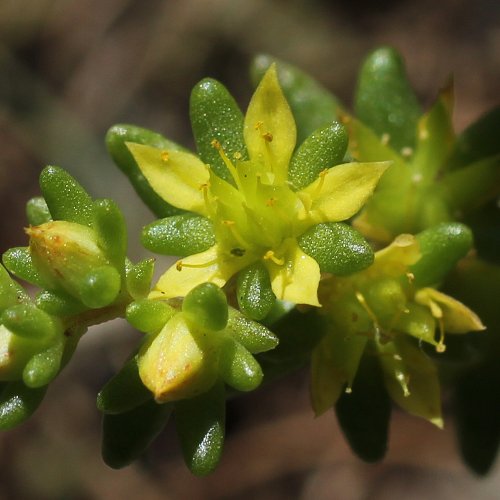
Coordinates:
232 169
440 345
321 182
180 265
231 225
269 255
371 314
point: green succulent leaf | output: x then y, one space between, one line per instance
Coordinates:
124 391
180 235
58 304
385 100
441 247
478 141
11 293
43 367
238 368
111 230
37 211
215 115
18 261
116 139
253 291
206 307
364 412
200 424
337 248
149 316
478 416
138 278
26 320
323 149
126 436
250 334
17 403
65 197
99 287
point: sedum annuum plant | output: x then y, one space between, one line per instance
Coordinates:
362 245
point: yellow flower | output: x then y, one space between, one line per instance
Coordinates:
259 216
378 310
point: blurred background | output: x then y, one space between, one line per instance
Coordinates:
68 71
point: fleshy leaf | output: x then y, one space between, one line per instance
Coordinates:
215 115
323 149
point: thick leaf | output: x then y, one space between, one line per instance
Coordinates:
200 424
180 235
364 412
385 100
126 436
116 140
66 199
337 248
323 149
215 115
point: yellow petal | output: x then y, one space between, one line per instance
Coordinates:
457 317
394 260
209 266
297 279
342 190
270 131
178 177
411 379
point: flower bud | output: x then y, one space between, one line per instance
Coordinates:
68 258
179 362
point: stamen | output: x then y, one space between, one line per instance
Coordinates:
181 265
321 182
271 202
411 277
268 137
269 255
237 155
441 347
402 378
385 139
232 169
208 205
165 156
371 314
231 225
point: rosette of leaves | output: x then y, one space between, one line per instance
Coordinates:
188 356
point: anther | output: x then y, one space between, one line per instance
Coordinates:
215 144
268 137
165 156
237 155
271 202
